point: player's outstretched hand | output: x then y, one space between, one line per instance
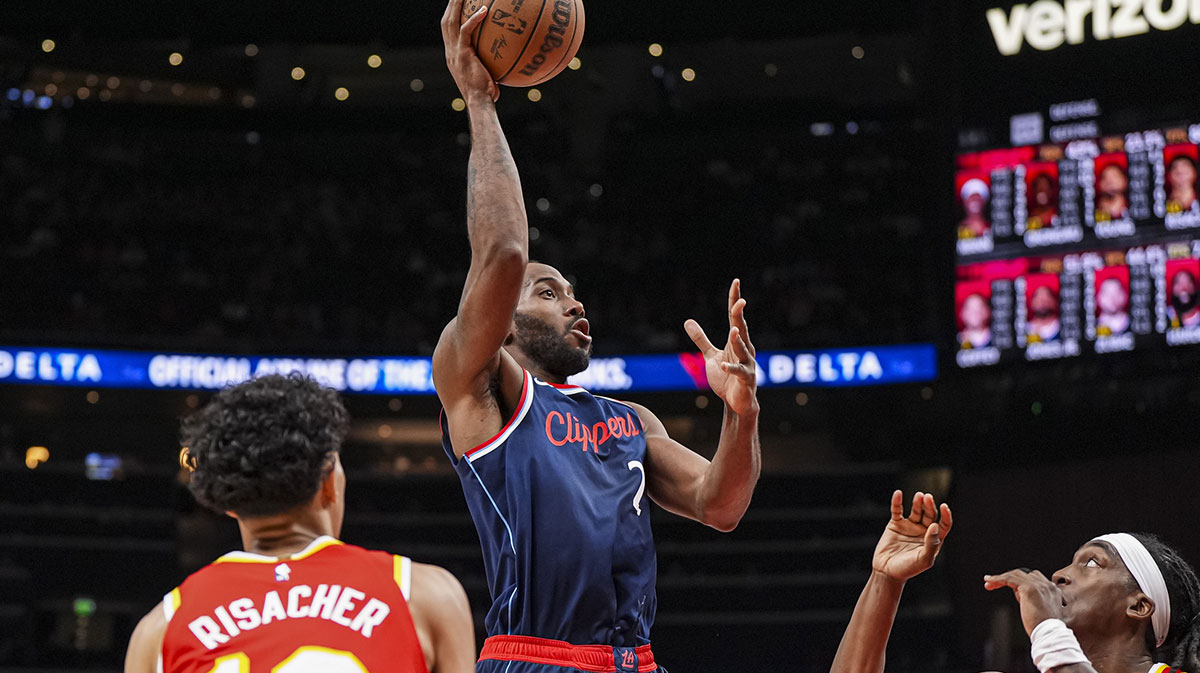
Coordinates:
910 545
1040 598
731 372
459 36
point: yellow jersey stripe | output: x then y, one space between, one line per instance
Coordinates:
402 573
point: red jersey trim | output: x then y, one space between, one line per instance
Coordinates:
590 658
502 436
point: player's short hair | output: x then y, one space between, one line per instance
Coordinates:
264 446
1181 650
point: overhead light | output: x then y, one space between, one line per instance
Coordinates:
374 61
688 75
48 46
342 93
298 73
175 58
656 50
251 50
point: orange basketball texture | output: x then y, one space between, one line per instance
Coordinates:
527 42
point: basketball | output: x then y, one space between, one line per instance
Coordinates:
527 42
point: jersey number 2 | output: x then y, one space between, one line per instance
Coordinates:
637 498
310 659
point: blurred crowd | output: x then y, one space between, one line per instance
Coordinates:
149 231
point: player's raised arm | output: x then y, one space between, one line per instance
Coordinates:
714 493
468 352
908 547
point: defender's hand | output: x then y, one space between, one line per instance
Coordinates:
459 36
910 545
731 372
1039 597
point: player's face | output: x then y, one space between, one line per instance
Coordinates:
1097 591
974 204
1113 181
1112 297
549 324
1044 303
1184 287
1042 190
975 313
1182 174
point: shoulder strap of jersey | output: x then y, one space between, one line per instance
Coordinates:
402 573
170 603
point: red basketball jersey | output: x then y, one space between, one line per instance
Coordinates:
332 608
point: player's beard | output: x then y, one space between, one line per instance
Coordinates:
547 345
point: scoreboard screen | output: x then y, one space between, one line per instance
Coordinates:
1077 241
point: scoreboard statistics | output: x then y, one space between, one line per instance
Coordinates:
1077 242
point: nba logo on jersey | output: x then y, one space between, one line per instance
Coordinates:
283 573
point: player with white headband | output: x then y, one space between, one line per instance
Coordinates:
1127 603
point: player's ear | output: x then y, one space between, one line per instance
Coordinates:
329 490
1141 608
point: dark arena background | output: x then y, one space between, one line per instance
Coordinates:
193 193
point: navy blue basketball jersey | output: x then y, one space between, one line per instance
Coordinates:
558 498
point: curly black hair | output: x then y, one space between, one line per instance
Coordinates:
1181 649
263 447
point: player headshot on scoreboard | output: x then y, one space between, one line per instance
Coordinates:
974 309
1112 187
1182 306
1180 163
1043 308
1112 301
1041 188
974 194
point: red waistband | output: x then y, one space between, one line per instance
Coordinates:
591 658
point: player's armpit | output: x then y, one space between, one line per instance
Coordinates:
443 618
145 644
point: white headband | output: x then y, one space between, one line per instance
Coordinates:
1149 578
974 186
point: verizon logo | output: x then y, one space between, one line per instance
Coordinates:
1049 24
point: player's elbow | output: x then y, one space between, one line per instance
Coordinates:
503 257
725 522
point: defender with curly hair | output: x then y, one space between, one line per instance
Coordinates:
296 600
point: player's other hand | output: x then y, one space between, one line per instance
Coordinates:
910 545
473 79
731 371
1040 598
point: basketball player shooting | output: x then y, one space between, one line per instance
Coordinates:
556 477
297 600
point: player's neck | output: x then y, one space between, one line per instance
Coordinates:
539 372
1119 655
282 535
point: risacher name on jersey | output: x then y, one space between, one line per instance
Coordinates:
345 606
